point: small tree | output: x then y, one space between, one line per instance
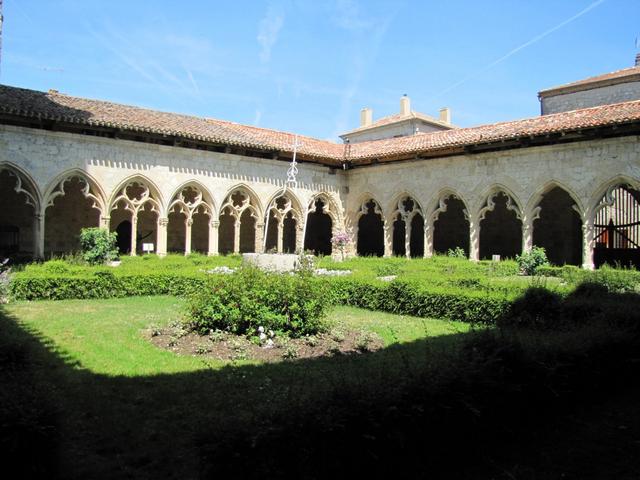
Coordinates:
340 240
529 262
98 245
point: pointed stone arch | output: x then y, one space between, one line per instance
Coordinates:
449 222
283 227
554 222
370 236
323 219
240 219
136 211
20 216
73 200
192 224
407 222
500 224
612 234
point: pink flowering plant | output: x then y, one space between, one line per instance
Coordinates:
340 240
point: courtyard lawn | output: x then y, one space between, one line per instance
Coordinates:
106 336
108 393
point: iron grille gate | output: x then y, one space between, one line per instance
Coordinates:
617 230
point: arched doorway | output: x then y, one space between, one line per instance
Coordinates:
500 227
370 230
617 227
558 228
318 229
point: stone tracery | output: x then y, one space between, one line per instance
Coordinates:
240 230
136 200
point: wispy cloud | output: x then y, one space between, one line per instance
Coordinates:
526 44
269 29
348 16
257 118
368 34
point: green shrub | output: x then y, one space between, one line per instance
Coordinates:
412 298
98 245
457 252
538 308
56 267
529 262
250 298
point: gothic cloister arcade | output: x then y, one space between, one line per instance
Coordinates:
284 228
557 226
135 215
616 226
408 228
573 230
190 221
19 213
500 224
241 224
322 221
450 224
371 232
74 202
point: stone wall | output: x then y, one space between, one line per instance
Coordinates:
46 158
622 92
584 169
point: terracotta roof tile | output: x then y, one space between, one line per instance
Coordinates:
398 117
18 102
631 74
547 124
65 108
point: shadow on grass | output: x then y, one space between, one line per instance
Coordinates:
454 406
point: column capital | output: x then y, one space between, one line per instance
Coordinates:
214 223
163 222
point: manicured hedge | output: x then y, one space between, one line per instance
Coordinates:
409 298
102 285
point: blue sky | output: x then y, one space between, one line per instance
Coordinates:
309 66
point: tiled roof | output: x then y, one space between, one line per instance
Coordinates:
75 110
18 102
397 118
625 75
605 115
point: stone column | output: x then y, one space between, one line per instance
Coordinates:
527 235
387 232
407 238
213 237
236 237
474 240
299 238
187 235
259 245
587 245
280 235
38 236
428 239
161 247
104 222
134 232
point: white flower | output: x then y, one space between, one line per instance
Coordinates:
261 329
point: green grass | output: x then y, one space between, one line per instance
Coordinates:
110 389
106 336
194 264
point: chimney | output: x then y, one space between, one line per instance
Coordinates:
445 115
366 117
405 105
